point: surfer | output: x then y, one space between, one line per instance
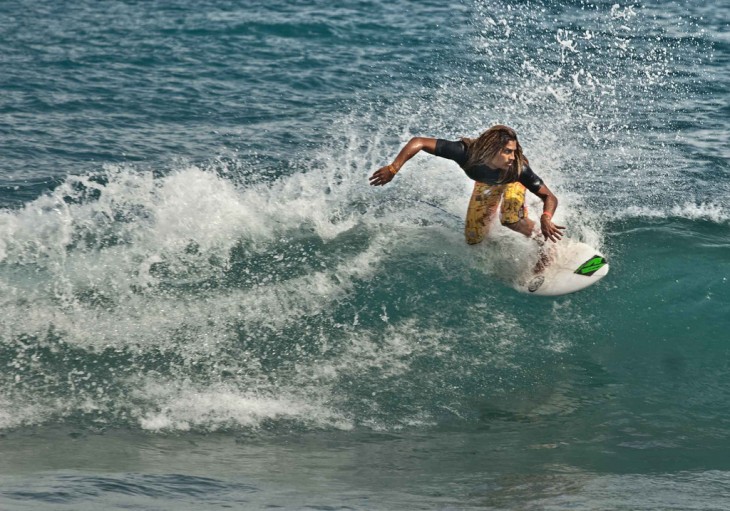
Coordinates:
494 160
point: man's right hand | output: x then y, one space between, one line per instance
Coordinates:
382 176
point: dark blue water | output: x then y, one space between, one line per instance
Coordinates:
204 304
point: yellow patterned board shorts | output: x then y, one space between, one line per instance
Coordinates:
483 203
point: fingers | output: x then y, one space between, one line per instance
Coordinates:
377 179
553 232
556 236
381 177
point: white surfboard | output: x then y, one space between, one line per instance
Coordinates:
575 266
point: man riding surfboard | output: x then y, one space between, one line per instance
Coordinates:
501 173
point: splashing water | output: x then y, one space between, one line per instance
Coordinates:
211 297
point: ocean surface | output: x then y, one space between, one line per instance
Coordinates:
204 305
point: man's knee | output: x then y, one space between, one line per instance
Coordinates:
512 213
473 236
523 226
513 205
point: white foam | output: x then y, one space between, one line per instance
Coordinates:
19 412
716 213
129 269
182 407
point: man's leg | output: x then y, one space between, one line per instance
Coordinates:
514 213
482 206
514 216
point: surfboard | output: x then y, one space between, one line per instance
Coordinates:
574 266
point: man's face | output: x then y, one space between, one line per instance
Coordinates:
505 157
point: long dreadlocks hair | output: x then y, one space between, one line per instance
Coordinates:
483 149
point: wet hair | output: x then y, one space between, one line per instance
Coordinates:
483 149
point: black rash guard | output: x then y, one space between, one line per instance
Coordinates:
456 151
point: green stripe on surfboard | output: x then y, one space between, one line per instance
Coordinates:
591 266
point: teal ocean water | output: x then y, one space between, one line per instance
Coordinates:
205 306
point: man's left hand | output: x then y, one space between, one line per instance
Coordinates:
551 231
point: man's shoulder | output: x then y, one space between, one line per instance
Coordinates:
451 149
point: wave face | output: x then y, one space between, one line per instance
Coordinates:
188 239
